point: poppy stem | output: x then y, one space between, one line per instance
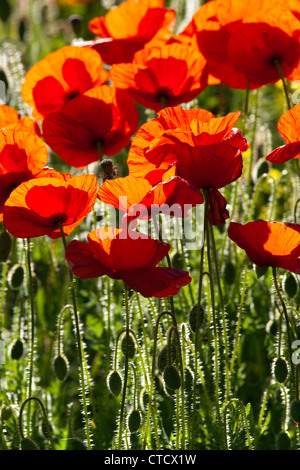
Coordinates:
32 325
127 329
288 102
48 427
80 347
288 330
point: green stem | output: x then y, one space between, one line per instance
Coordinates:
225 336
288 102
200 282
80 348
49 431
287 324
32 326
127 329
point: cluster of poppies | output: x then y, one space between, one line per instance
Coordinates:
84 106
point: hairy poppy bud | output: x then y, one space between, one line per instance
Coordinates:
29 444
290 285
295 410
280 370
283 441
6 412
5 246
16 276
134 420
17 349
61 367
193 315
129 343
172 378
114 383
163 356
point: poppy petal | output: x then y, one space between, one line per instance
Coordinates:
82 261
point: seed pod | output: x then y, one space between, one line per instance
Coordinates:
229 273
61 367
5 246
134 421
283 441
194 312
17 350
280 370
295 410
16 276
163 356
128 341
114 383
29 444
290 285
172 378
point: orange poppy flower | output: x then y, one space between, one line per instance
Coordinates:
289 127
130 27
242 41
22 156
137 198
269 243
102 116
162 76
127 255
61 76
9 118
206 150
36 207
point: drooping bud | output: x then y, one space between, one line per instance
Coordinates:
114 382
172 378
196 312
5 246
61 367
134 420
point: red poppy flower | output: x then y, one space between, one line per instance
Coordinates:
206 150
9 118
102 116
269 243
162 76
61 76
242 41
127 255
22 156
289 127
130 27
137 198
38 206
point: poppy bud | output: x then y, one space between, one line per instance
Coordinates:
163 356
283 441
144 399
134 420
5 246
16 276
17 349
290 285
61 367
29 444
5 10
172 378
129 343
196 313
76 23
114 383
280 370
229 273
295 410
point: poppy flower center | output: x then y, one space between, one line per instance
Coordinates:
70 95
